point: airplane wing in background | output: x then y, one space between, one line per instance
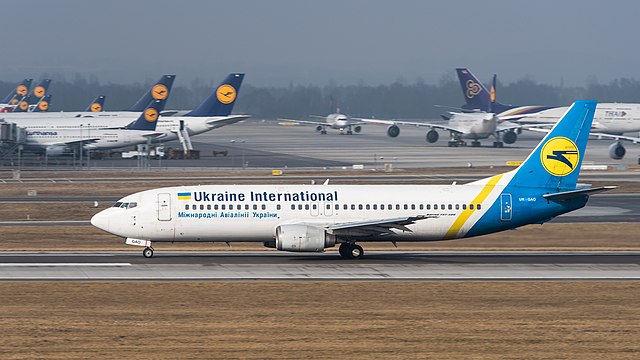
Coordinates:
411 123
227 120
597 135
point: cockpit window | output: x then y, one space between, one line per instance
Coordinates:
124 205
132 205
117 204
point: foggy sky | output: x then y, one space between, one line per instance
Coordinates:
279 42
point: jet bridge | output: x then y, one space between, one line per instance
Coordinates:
11 138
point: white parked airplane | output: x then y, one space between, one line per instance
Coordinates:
315 217
467 125
62 141
336 121
213 112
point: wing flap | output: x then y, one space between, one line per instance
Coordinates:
376 227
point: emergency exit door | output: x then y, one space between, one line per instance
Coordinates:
164 207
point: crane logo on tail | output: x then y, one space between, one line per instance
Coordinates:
559 156
226 94
39 91
151 114
21 90
96 107
159 92
43 105
473 89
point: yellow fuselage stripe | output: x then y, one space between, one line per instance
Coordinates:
464 216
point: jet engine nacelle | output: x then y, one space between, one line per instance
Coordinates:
432 136
55 150
617 151
393 131
303 238
357 129
510 137
319 128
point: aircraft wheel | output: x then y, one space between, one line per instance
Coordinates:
356 252
323 132
344 250
147 252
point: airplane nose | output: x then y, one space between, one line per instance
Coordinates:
101 221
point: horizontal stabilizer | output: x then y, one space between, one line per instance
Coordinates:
568 195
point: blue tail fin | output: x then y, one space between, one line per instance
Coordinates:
40 91
220 102
23 105
97 105
149 117
21 90
159 91
43 104
555 162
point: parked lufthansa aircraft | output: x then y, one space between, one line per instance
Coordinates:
315 217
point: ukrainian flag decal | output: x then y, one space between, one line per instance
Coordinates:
184 196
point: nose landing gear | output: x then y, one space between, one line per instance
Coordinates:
147 252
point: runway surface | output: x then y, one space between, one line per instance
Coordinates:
270 265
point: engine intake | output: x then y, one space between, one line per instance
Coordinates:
393 131
303 238
617 151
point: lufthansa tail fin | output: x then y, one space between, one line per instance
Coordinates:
159 91
555 162
23 105
43 104
97 105
40 91
221 101
148 119
21 90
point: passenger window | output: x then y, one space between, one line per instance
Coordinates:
328 206
337 207
435 206
215 207
428 206
413 206
345 207
208 206
464 206
457 206
368 207
375 207
306 206
246 206
397 206
264 207
421 206
381 206
406 207
390 207
186 206
293 206
450 207
299 206
479 206
442 207
278 207
470 206
255 206
222 206
201 207
314 206
353 206
359 206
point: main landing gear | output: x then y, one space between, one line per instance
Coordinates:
147 252
351 251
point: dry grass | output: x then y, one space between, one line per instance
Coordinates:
347 320
574 236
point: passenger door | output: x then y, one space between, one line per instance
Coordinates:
505 207
164 207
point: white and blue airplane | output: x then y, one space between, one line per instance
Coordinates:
312 218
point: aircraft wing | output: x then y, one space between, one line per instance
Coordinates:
412 123
375 227
77 142
599 136
227 120
306 122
